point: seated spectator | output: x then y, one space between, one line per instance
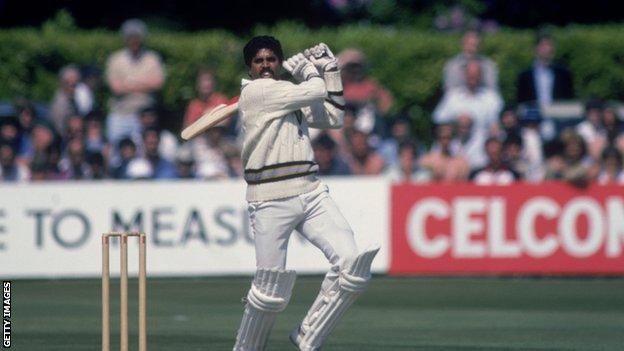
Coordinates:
39 169
480 102
161 168
496 171
127 152
134 74
614 130
95 141
611 171
572 165
207 97
327 158
407 170
508 124
11 171
10 131
400 131
454 68
150 118
27 115
372 101
514 156
74 165
545 81
185 164
97 166
63 104
591 129
469 142
209 152
44 139
74 128
440 161
363 159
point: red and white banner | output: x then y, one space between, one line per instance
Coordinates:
551 228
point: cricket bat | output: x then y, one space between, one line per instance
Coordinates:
209 120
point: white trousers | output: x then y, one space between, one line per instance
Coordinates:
314 215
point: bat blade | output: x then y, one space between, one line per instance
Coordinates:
209 120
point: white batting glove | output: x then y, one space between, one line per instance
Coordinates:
300 68
322 58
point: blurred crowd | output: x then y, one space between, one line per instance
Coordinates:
476 135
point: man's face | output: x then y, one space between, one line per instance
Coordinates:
134 43
470 43
545 50
70 81
205 84
264 65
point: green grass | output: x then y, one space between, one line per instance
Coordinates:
432 314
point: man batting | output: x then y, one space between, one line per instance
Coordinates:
284 193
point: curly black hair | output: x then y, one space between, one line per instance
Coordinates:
262 42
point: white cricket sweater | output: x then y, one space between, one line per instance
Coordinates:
277 154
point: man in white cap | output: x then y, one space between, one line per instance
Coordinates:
133 74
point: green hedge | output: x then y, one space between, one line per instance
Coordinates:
409 62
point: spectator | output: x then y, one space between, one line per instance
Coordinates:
97 166
207 97
327 158
573 165
370 99
74 165
39 169
27 115
74 128
43 139
496 171
611 171
480 102
86 90
614 130
149 118
63 104
440 161
400 131
407 170
185 164
508 124
11 171
10 131
133 74
454 68
364 160
591 129
469 142
127 152
210 153
514 156
161 168
95 141
545 81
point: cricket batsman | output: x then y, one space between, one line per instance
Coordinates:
284 193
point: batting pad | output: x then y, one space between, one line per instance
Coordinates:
269 294
332 303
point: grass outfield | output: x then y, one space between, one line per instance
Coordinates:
432 314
